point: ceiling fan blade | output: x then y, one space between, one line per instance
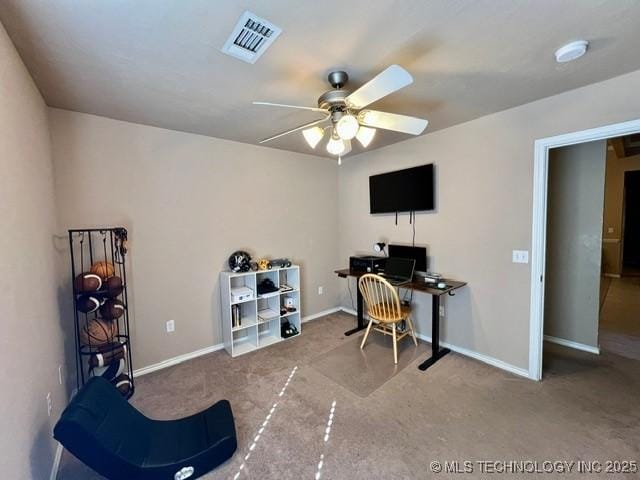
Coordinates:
392 121
393 78
301 127
312 109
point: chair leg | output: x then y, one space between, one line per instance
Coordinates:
366 335
395 345
412 330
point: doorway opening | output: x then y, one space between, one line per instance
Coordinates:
593 239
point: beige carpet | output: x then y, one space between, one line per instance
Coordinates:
585 408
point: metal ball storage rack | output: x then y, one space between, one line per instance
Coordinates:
88 246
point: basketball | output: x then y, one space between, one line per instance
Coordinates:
123 384
87 282
113 286
87 304
103 269
112 309
98 332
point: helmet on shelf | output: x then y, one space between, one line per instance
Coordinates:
240 261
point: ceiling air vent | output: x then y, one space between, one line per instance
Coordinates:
250 38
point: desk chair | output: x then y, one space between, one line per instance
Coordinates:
383 306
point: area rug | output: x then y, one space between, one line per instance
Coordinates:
364 371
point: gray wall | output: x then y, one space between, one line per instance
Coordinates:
484 172
188 202
31 342
574 242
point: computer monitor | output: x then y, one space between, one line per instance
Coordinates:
419 254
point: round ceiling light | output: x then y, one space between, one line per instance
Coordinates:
347 127
571 51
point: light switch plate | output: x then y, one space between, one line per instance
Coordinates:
521 256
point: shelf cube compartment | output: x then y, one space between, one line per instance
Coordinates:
291 277
293 319
245 340
269 332
246 315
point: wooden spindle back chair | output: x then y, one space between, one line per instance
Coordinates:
384 308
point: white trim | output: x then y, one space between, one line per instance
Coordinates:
198 353
56 462
176 360
321 314
351 311
540 176
494 362
570 344
612 275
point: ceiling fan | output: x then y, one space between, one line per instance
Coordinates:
346 117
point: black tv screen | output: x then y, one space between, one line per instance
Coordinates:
402 191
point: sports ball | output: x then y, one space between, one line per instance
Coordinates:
98 331
103 269
123 384
113 286
111 371
240 261
112 309
87 282
107 354
87 304
263 264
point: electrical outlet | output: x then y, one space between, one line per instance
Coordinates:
521 256
320 290
49 404
441 311
171 326
60 374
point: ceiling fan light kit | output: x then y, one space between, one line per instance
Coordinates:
365 135
313 136
347 127
344 112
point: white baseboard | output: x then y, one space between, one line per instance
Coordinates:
176 360
56 462
350 311
321 314
494 362
570 344
188 356
463 351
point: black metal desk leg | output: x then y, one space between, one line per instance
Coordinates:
361 325
436 352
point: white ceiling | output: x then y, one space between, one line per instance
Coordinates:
158 62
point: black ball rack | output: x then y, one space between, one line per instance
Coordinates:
88 246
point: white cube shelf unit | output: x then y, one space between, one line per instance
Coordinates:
260 316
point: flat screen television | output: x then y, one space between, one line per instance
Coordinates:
408 190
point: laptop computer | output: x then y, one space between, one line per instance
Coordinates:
398 270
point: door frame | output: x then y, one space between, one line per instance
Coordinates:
539 224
